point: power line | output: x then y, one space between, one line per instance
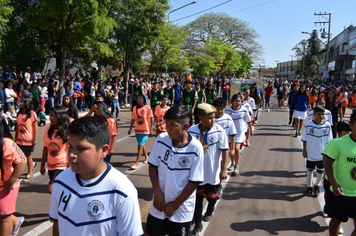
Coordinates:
253 6
332 5
203 11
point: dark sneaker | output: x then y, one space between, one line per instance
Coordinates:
309 191
208 216
296 134
299 134
316 191
197 229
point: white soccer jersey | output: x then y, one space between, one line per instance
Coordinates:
240 117
328 117
217 140
177 167
251 102
316 137
108 206
226 122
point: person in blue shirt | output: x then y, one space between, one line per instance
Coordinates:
300 105
177 91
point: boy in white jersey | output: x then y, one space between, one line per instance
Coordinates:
316 135
176 169
92 197
249 100
216 156
328 116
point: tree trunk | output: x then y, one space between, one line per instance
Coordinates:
126 78
62 67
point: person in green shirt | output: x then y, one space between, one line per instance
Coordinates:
35 96
189 99
342 178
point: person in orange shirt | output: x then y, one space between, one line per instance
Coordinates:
344 100
313 97
101 110
55 146
142 116
26 132
12 164
160 111
353 99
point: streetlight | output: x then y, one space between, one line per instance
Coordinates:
167 24
292 66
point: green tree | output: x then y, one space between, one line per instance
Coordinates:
73 24
138 23
167 47
5 13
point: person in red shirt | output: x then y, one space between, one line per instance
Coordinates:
55 145
268 95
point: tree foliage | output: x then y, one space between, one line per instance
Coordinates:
167 48
224 28
5 13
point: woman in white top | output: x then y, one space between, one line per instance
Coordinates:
10 96
28 75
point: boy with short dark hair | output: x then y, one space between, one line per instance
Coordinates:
342 178
176 169
92 197
316 135
189 99
169 92
216 157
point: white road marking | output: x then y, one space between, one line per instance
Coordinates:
39 229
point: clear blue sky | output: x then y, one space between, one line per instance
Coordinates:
278 22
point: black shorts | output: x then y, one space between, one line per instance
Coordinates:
209 190
26 148
158 227
313 164
341 208
52 174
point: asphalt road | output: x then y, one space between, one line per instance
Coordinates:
267 198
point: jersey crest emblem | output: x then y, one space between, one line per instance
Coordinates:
183 161
95 209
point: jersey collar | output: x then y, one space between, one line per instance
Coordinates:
96 182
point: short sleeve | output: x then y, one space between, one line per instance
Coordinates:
232 129
153 158
197 168
112 126
16 153
33 117
45 137
247 117
333 151
133 115
223 141
304 135
128 219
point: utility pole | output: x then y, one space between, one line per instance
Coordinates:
292 66
328 45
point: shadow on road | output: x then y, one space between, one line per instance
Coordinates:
286 150
272 134
263 191
273 227
276 173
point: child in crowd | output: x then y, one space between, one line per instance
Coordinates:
11 117
241 117
216 157
249 100
101 111
70 106
26 132
42 117
110 204
189 98
342 178
143 117
316 135
169 92
160 111
55 146
175 169
12 164
328 116
300 106
201 99
155 96
268 95
226 122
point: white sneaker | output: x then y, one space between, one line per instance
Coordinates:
236 170
341 230
268 110
231 167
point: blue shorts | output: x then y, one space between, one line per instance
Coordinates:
268 98
141 139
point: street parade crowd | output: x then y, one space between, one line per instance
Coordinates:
200 128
